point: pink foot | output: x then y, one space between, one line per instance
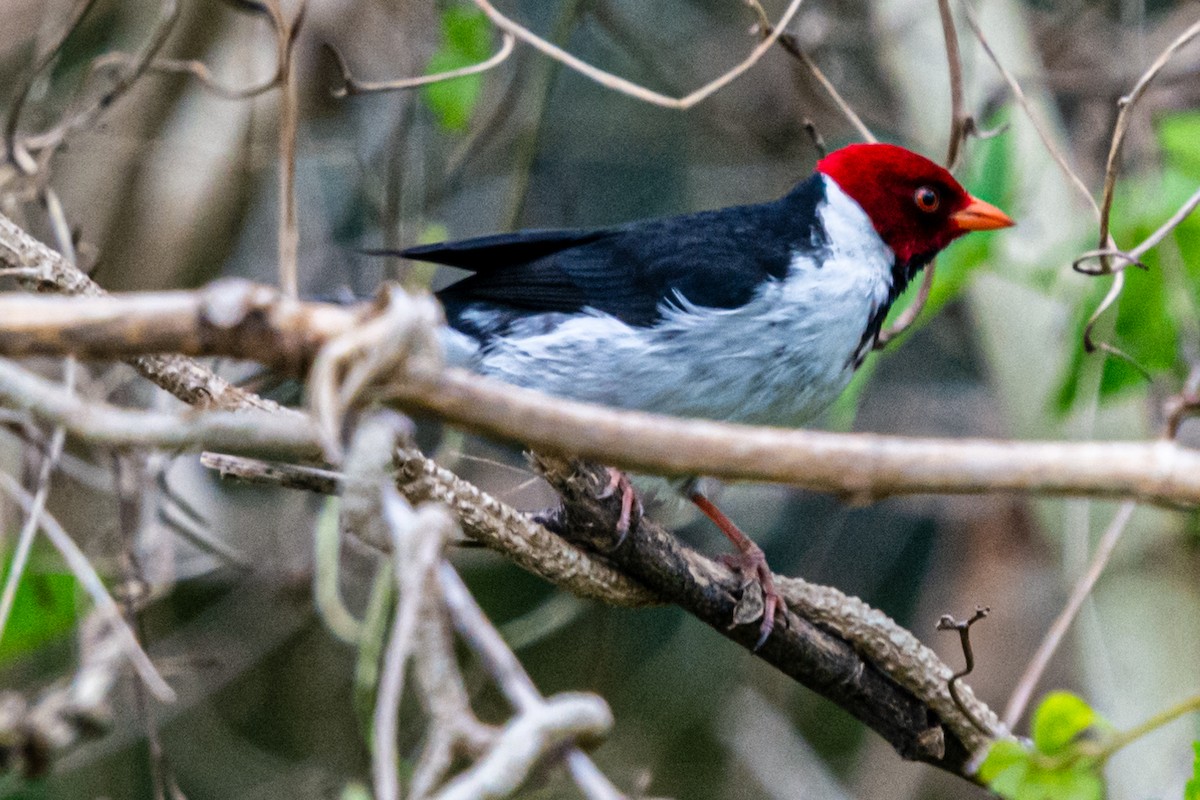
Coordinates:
619 481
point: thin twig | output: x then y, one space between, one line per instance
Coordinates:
85 573
200 71
1026 106
25 538
1054 636
627 87
13 119
289 476
1121 739
791 45
1126 105
129 480
959 119
353 86
1133 257
289 110
248 433
908 316
949 623
516 685
86 116
417 541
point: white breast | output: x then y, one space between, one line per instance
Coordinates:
780 359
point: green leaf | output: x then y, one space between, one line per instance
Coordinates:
1192 790
1005 768
1017 773
1154 306
1178 134
1076 782
465 30
43 610
466 40
1059 719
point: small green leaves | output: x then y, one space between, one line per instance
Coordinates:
466 40
1192 790
1055 767
1059 720
44 610
1178 134
1016 773
1156 305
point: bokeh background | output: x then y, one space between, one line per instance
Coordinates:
176 186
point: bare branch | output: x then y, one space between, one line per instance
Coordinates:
860 466
481 516
83 570
91 111
542 725
791 44
267 473
1126 105
1019 699
13 120
627 87
417 540
909 315
233 317
513 533
959 118
251 433
834 644
50 459
352 86
289 111
1038 125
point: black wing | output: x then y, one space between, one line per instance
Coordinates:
716 259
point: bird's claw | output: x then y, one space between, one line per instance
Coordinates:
752 566
619 481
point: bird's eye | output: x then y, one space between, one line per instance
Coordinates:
926 198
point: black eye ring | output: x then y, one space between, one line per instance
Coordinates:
926 198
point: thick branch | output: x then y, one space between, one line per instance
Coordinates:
238 319
860 466
835 645
481 517
231 317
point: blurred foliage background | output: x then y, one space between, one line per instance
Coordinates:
176 186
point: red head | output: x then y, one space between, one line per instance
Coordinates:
916 206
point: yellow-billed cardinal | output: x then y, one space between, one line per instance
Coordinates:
756 314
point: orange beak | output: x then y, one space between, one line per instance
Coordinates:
980 216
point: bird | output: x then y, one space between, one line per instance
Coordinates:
755 314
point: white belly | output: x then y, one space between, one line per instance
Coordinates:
781 359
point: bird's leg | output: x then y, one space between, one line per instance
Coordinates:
750 561
619 481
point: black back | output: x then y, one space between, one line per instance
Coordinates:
716 259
